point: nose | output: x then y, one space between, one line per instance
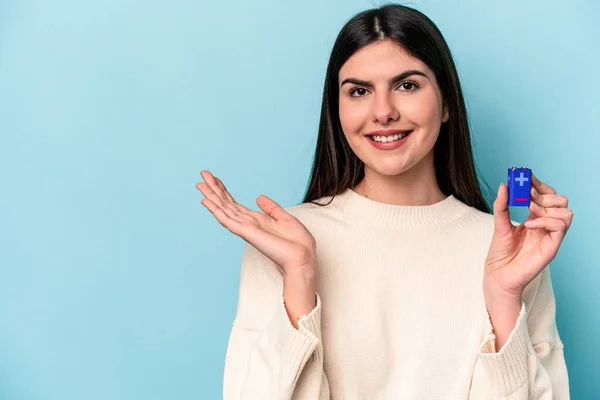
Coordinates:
384 109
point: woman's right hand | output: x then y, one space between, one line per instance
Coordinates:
276 233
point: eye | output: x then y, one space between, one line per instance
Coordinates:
357 90
410 83
408 86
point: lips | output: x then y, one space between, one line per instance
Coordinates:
391 145
388 132
400 135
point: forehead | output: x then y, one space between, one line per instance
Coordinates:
384 58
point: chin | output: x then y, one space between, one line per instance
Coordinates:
389 170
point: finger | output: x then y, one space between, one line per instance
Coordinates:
549 200
559 213
239 207
210 194
229 200
553 225
234 209
225 191
208 177
212 181
258 238
230 223
540 186
224 198
207 187
502 222
272 209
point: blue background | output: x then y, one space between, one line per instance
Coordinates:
116 283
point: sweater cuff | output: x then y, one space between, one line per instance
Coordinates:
507 369
310 324
295 346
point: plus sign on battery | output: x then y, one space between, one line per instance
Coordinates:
521 179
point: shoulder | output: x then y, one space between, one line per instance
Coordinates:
479 222
319 209
321 215
475 217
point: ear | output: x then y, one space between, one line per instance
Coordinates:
446 115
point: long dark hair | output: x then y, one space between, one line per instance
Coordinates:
336 167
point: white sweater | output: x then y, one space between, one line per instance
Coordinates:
400 314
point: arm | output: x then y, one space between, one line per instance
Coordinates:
530 362
268 356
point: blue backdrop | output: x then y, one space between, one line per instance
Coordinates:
116 283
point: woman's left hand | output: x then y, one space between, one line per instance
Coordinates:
517 254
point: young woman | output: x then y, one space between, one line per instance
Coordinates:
392 280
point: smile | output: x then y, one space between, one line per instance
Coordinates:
389 142
391 138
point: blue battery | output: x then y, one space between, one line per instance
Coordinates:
519 186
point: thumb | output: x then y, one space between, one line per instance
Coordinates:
502 223
271 208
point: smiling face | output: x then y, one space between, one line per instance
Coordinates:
377 93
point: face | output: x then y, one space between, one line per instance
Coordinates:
371 99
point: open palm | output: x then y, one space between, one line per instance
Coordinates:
275 233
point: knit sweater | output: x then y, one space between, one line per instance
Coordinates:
400 313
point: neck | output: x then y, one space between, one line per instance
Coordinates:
416 187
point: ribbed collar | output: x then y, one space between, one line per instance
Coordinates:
359 208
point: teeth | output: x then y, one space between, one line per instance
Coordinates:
385 139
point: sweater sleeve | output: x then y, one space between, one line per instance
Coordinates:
531 364
267 358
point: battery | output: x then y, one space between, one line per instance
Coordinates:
519 186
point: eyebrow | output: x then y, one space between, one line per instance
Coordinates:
395 79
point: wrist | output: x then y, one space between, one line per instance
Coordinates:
300 284
503 310
499 302
304 273
494 292
299 293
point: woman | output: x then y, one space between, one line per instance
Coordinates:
392 280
